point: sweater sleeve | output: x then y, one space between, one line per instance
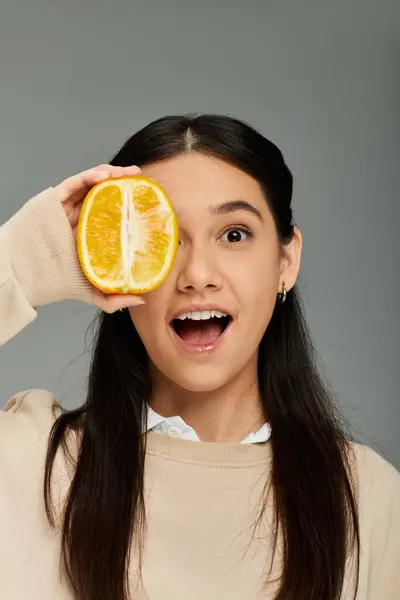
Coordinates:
384 535
38 263
385 574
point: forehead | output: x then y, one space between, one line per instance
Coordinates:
197 180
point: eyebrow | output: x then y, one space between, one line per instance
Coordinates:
234 205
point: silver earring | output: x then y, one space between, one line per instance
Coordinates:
282 295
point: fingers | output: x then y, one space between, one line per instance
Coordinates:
114 171
110 303
79 184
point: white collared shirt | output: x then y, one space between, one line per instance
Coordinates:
176 426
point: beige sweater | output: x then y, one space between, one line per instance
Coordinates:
201 497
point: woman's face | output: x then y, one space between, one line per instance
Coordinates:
228 263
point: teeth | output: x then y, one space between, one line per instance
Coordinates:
217 313
202 315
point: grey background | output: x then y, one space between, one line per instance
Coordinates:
321 79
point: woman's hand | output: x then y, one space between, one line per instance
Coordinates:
71 193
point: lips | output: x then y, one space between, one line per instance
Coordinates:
200 331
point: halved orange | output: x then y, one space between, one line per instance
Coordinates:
127 235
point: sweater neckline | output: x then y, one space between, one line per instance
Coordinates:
159 424
212 454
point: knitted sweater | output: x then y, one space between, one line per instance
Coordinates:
202 499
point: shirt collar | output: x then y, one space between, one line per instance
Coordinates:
160 424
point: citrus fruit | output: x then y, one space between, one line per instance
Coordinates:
127 235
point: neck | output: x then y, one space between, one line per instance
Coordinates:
227 414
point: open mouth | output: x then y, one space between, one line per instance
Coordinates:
202 328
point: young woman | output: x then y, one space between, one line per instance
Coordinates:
208 461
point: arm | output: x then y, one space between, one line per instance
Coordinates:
379 502
384 576
38 263
38 258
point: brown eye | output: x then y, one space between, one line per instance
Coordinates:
236 235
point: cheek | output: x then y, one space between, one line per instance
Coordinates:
147 319
257 302
256 287
256 277
150 318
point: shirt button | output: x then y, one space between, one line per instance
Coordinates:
175 431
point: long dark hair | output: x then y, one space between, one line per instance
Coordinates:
316 516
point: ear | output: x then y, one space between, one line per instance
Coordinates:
290 262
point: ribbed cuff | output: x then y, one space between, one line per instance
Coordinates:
43 253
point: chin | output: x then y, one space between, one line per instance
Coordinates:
198 380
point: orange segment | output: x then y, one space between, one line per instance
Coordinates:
127 235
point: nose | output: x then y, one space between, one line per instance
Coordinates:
199 271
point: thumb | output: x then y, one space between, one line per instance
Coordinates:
110 303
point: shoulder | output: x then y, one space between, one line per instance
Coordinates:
27 416
26 400
25 425
378 484
379 519
372 469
